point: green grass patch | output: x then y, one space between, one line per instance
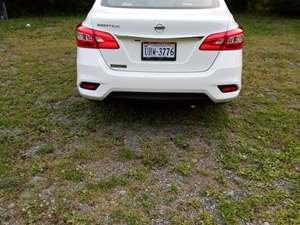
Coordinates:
185 168
83 154
128 216
174 189
156 157
74 175
109 184
139 173
47 148
76 219
127 154
182 142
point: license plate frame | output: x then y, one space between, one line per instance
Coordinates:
159 58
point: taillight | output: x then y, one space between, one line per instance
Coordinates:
228 88
234 39
89 86
89 38
85 37
230 40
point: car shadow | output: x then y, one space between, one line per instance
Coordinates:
158 113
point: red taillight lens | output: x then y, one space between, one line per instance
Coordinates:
214 42
89 38
105 40
228 88
230 40
234 40
89 86
85 37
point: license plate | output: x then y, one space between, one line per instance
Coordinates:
159 51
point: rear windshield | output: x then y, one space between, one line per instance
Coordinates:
162 4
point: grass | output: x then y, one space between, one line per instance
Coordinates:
181 142
74 175
185 169
66 160
109 184
47 148
130 217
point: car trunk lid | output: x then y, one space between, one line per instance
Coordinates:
187 28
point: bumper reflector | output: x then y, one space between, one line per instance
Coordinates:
89 86
228 88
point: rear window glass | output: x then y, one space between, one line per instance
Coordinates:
162 4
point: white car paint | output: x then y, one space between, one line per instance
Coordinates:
194 71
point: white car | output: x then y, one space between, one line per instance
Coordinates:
160 48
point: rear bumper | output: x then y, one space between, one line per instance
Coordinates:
226 70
